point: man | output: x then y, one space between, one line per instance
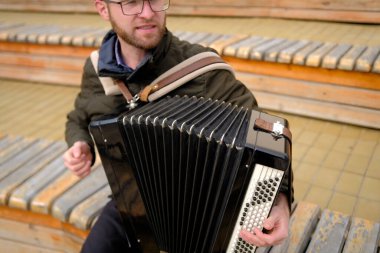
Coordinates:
137 50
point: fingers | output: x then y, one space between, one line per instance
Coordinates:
78 159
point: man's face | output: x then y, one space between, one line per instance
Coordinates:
143 31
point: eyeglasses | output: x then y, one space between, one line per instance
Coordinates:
135 7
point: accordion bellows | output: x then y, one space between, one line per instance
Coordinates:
201 169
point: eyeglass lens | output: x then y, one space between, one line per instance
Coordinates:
133 7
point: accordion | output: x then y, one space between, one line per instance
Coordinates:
188 174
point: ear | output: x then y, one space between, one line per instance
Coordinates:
102 9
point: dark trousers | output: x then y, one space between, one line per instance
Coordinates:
107 235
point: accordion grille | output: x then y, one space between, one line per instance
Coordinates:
185 153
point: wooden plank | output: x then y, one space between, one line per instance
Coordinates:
314 91
315 58
348 61
210 39
297 72
22 36
11 146
286 55
231 50
9 183
227 40
273 53
245 51
258 53
197 37
19 247
366 60
61 63
22 196
95 39
84 213
301 226
325 111
38 236
330 233
376 65
64 204
363 237
68 37
42 202
22 158
301 56
331 60
53 76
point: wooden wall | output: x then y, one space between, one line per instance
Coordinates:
361 11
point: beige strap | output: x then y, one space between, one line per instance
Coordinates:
276 129
168 81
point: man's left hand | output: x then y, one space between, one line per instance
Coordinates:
276 226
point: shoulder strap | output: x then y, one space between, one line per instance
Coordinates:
168 81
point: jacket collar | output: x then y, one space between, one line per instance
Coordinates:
108 65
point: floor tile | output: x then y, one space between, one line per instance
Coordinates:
306 172
326 178
301 188
335 160
357 164
345 144
319 196
316 155
325 140
365 147
370 189
342 203
349 183
367 209
374 168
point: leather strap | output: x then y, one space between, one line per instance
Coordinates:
276 129
168 81
187 67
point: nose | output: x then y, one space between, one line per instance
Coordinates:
146 10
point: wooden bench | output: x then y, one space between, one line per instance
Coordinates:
355 11
44 208
333 81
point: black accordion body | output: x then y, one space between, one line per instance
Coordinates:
188 174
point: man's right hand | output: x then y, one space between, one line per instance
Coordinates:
78 159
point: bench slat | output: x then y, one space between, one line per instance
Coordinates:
315 58
63 206
226 40
42 202
22 196
331 60
258 52
363 237
301 226
286 55
210 39
348 61
245 51
22 158
9 183
330 233
273 53
10 146
231 50
301 56
376 65
366 60
84 213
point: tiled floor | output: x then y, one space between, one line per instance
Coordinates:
335 165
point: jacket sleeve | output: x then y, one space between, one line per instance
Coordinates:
79 118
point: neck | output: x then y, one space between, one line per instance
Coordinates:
132 56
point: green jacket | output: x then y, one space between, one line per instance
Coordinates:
92 102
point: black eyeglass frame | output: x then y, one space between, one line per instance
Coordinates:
142 7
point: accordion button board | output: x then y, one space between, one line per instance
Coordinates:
256 206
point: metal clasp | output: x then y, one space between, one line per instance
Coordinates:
133 103
278 129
